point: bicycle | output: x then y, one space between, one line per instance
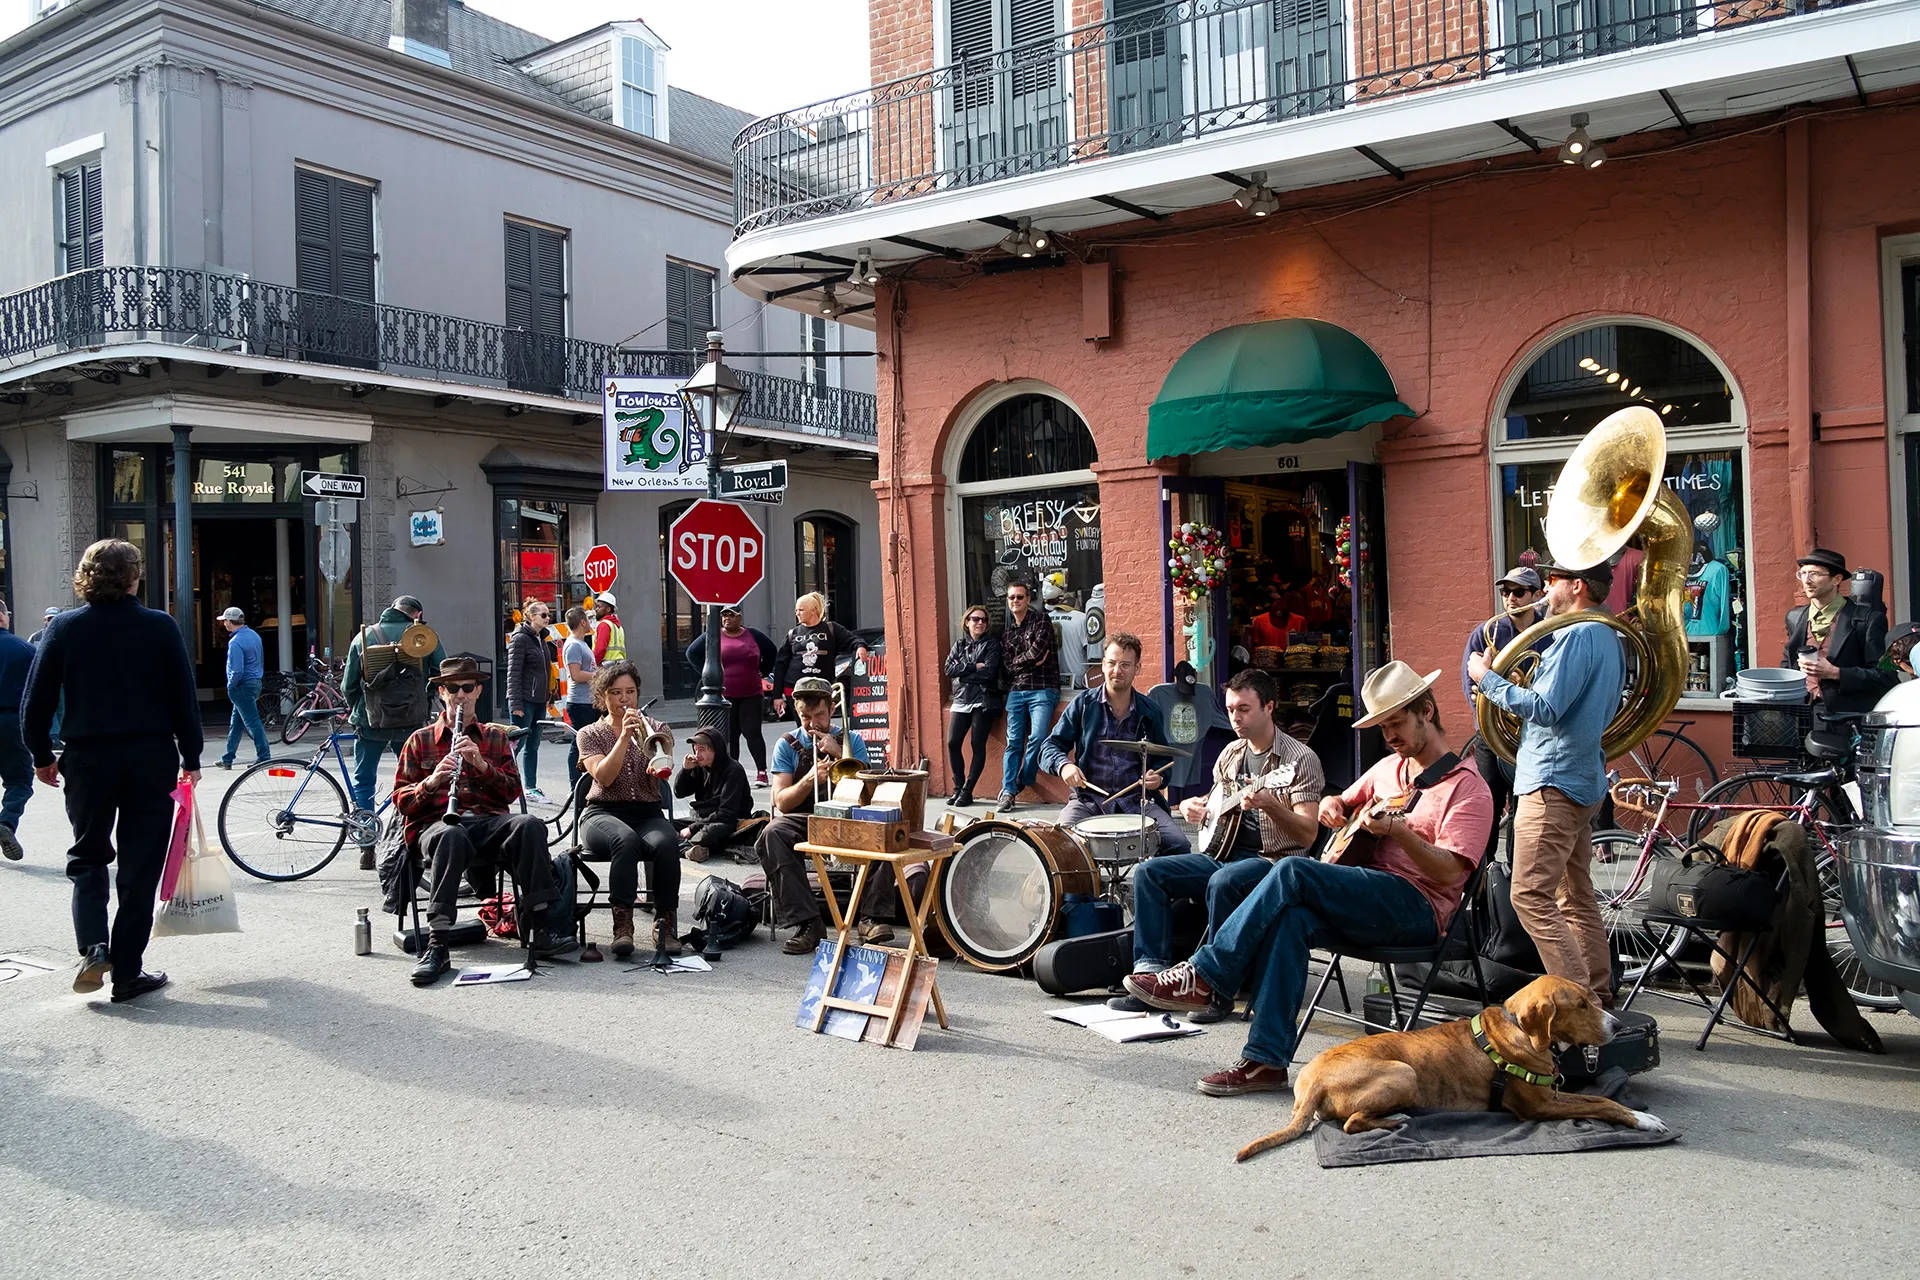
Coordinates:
1667 755
324 696
277 823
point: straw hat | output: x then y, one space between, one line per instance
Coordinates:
1390 688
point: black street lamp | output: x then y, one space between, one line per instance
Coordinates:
712 396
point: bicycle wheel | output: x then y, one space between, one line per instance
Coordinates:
281 821
1666 756
272 705
1762 787
319 698
1623 882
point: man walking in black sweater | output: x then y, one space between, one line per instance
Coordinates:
131 727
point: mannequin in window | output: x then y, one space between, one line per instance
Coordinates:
1709 598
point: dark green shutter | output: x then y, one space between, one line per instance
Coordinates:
333 235
536 279
81 238
689 306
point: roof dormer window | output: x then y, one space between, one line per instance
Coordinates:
641 100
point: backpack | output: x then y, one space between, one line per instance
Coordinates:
725 913
502 921
396 694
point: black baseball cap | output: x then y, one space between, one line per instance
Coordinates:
1822 558
1598 577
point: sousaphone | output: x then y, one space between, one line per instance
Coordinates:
418 640
1610 495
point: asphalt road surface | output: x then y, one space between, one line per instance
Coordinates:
286 1109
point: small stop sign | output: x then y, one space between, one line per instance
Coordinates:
716 552
601 569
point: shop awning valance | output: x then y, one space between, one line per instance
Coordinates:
1274 382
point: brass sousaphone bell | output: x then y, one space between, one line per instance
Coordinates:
419 640
1609 495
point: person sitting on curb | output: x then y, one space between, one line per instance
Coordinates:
717 785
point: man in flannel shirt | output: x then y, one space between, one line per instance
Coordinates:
489 834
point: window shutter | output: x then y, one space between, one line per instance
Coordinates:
312 232
677 307
73 215
699 304
549 282
519 276
970 32
353 237
92 223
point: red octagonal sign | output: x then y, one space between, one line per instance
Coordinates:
716 552
601 569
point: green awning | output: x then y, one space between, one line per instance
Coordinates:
1274 382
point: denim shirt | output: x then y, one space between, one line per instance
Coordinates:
246 656
1574 694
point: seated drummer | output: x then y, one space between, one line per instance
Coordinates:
1110 710
489 833
796 768
1401 893
1274 823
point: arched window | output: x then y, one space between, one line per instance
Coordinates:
826 559
1029 509
1567 389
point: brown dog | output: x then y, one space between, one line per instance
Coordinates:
1365 1081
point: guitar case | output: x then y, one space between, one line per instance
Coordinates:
1092 962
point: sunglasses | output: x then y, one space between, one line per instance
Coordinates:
1513 591
465 686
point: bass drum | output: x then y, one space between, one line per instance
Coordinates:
1000 892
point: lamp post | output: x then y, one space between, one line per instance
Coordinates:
712 395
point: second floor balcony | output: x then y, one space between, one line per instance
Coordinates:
234 319
1143 111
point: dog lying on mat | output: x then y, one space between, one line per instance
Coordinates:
1500 1058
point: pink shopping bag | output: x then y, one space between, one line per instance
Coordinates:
177 846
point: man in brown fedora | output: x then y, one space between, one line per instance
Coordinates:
488 833
1400 892
1560 777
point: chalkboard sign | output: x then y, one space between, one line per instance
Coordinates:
867 703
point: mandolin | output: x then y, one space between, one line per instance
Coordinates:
1220 828
1353 841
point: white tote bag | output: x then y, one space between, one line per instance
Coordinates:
202 900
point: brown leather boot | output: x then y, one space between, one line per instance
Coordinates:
666 936
622 932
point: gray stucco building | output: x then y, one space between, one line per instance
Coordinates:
401 240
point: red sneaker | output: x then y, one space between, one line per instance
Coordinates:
1244 1076
1180 989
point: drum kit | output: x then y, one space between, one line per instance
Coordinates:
1003 891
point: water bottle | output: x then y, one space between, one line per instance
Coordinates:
363 934
1377 981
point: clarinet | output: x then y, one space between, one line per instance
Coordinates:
452 817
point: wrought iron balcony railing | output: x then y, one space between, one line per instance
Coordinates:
222 311
1156 75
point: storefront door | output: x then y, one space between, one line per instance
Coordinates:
1367 571
1193 501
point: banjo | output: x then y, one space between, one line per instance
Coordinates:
1220 828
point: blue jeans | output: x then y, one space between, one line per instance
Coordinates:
366 767
245 696
16 772
1029 717
579 715
1158 881
1305 903
528 715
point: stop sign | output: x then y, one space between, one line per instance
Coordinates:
716 552
601 569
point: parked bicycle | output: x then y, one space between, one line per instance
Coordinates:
282 821
1667 755
325 696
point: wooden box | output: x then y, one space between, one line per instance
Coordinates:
931 841
851 833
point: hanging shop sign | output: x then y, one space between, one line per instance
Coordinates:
427 528
649 444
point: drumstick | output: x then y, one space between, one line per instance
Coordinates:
1131 786
1091 787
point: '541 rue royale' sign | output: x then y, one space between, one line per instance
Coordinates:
649 444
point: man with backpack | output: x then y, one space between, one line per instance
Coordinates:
380 721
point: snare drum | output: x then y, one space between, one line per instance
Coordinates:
1118 838
1000 892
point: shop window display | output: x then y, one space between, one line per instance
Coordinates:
543 548
1575 384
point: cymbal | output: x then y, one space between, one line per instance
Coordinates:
418 640
1145 749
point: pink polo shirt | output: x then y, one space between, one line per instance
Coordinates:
1454 813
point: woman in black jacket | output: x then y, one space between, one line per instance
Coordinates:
813 647
717 784
527 687
974 664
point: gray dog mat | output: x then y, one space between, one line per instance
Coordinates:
1455 1135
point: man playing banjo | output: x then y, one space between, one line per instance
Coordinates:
1279 816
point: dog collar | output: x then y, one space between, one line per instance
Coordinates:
1503 1068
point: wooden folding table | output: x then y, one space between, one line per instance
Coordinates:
917 913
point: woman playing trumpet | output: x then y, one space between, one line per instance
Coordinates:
624 819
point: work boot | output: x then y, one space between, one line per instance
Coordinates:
366 858
875 931
622 932
805 940
666 936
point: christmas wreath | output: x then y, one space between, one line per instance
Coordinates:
1197 562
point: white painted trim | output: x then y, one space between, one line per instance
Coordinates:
1823 36
1730 437
1896 252
154 419
82 148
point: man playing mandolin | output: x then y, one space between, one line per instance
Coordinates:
1401 892
1266 789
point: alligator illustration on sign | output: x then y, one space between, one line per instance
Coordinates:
648 442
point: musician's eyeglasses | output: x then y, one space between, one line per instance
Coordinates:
460 688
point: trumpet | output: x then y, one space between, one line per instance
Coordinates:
452 816
655 739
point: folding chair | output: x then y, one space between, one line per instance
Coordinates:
1708 930
1456 943
580 856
